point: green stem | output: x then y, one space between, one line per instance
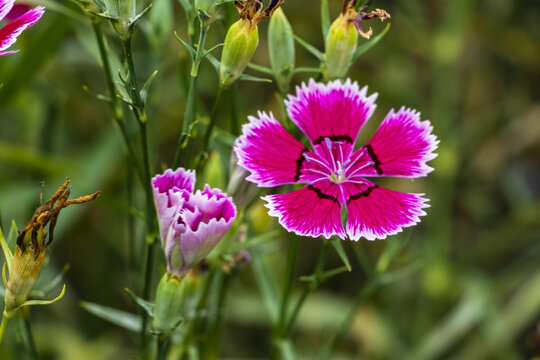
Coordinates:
188 339
139 111
161 350
281 326
188 120
116 107
192 90
210 347
149 266
30 338
289 278
3 326
206 141
319 270
347 321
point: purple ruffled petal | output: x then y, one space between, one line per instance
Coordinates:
269 152
375 212
212 214
9 33
402 146
332 110
312 211
171 189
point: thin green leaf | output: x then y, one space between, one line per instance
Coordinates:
338 246
287 350
260 68
56 281
371 43
12 236
331 273
188 47
146 86
307 70
245 77
266 284
261 239
46 302
121 318
207 52
5 248
215 62
188 8
145 305
313 50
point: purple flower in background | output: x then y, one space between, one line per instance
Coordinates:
191 223
335 174
9 33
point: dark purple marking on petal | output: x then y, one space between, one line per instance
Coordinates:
373 156
361 194
299 163
321 194
346 138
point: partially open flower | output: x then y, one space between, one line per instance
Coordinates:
10 32
191 223
31 245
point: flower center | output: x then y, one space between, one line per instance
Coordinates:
334 161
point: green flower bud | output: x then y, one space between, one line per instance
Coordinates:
171 295
281 48
238 49
341 43
124 11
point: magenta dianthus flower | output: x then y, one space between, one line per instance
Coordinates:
10 32
191 223
331 116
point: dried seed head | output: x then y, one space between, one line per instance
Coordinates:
32 243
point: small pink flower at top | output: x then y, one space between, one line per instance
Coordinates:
10 32
331 116
191 223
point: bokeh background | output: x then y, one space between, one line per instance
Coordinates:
470 66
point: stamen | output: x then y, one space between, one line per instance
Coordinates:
328 143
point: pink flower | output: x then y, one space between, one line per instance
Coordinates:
9 33
331 116
191 223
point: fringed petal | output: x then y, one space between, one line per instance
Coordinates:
402 146
9 33
375 212
336 111
312 211
269 152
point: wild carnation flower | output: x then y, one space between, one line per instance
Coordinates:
191 223
10 32
331 116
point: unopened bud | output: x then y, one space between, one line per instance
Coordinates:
240 45
124 11
171 295
281 48
341 43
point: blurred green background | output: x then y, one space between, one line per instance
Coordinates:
471 67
